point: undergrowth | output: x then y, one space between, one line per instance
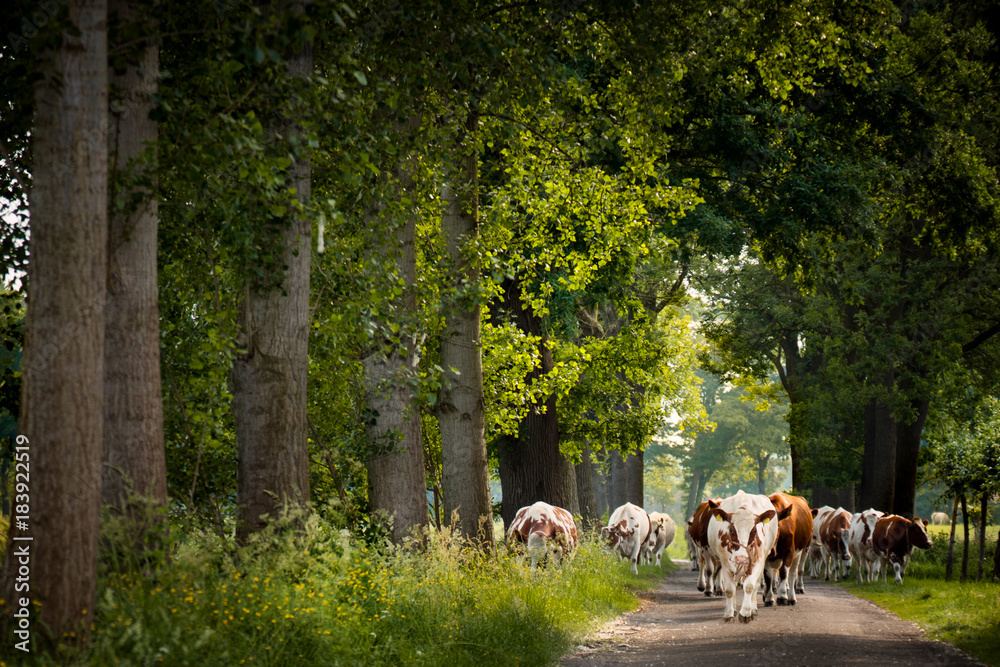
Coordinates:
317 596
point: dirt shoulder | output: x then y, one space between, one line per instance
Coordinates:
678 625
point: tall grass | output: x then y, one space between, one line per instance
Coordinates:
319 597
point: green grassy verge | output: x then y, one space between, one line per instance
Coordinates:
966 615
324 599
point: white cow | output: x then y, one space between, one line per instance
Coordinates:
741 533
860 541
627 531
662 532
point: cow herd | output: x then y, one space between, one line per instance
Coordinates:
757 542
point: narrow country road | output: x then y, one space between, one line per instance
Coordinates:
677 625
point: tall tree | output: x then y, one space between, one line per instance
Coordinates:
397 483
270 371
134 455
61 409
460 404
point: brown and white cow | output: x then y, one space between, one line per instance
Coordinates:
708 564
866 560
692 551
832 528
782 574
741 533
815 555
662 532
627 531
543 529
893 540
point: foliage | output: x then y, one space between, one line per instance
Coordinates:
321 597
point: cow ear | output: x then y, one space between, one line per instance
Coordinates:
785 513
766 516
814 511
713 503
720 514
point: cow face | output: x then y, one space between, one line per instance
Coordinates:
617 532
739 535
916 532
870 518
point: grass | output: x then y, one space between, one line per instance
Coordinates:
966 615
322 598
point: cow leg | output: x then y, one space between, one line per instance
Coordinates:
718 579
635 557
701 570
800 569
729 586
749 607
768 585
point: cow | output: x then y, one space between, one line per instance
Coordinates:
940 519
831 527
815 556
662 532
741 533
708 564
782 571
543 529
627 531
860 542
692 550
893 540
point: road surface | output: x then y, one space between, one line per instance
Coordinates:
677 625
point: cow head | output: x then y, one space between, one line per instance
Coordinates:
869 517
615 533
739 536
916 532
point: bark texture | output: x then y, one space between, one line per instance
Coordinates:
907 454
530 462
589 512
397 483
879 473
63 390
461 409
269 375
134 456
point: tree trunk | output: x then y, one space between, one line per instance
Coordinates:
879 473
951 542
134 455
461 410
397 482
53 538
965 546
984 512
589 512
761 473
600 484
633 476
569 485
907 453
530 462
694 493
996 558
269 374
618 482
